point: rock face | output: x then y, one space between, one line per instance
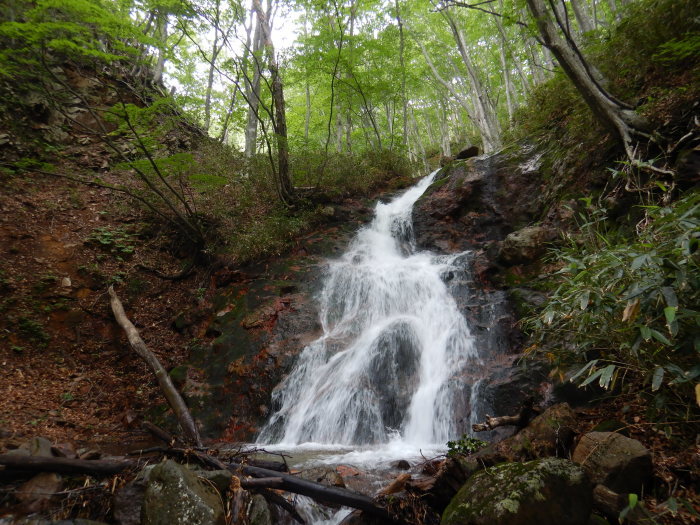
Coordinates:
174 496
620 463
548 491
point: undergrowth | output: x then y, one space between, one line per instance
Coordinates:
624 309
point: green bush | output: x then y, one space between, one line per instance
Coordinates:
625 311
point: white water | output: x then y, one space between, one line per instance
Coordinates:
381 382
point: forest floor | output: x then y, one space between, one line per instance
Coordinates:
68 373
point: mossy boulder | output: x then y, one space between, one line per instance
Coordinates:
175 496
547 491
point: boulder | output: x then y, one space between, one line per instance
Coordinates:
547 491
620 463
175 496
549 434
259 513
526 244
35 495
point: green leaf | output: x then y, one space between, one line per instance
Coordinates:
583 300
657 378
638 262
645 331
660 337
670 314
580 372
606 376
592 377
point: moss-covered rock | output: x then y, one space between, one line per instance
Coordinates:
175 496
547 491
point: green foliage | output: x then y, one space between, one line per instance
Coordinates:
628 308
465 446
116 241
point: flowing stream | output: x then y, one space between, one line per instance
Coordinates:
382 382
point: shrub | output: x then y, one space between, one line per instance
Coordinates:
625 311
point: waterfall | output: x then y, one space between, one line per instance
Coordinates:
393 349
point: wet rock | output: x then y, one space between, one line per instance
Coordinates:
259 513
526 244
547 491
324 475
175 496
401 464
620 463
64 450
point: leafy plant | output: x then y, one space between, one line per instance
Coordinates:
628 310
117 241
466 445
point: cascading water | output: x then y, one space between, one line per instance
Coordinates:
394 343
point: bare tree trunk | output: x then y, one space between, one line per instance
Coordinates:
485 113
162 35
210 82
583 19
614 114
402 63
252 88
419 141
284 181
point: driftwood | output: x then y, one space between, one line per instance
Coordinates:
316 491
94 467
527 412
171 394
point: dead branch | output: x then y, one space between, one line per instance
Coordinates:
527 412
94 467
171 394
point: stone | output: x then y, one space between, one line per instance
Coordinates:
39 446
526 244
259 513
547 491
35 495
401 464
549 434
66 282
221 479
127 503
324 475
620 463
175 496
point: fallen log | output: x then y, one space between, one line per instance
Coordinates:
527 412
171 394
95 467
263 483
316 491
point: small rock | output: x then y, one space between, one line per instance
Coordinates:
65 282
221 479
89 453
549 491
323 475
64 450
39 446
620 463
401 464
35 495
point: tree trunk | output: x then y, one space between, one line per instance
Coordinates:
402 63
252 88
485 113
162 35
583 19
284 182
615 115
